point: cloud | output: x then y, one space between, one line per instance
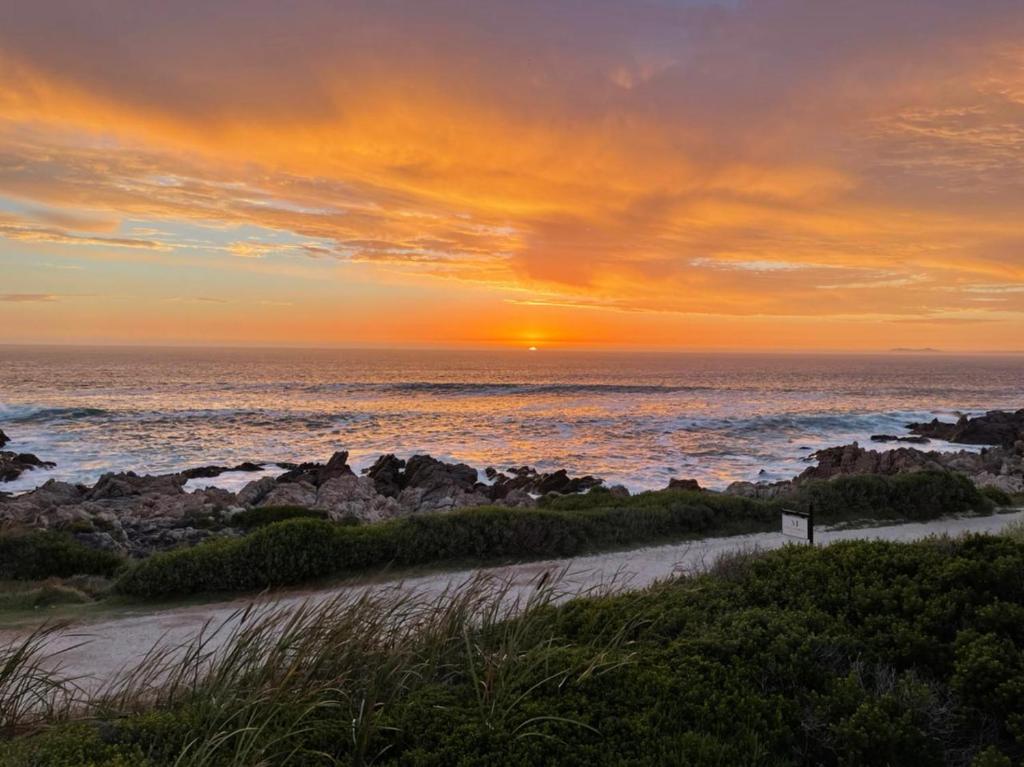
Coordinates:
27 298
768 158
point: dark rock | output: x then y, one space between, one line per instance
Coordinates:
127 484
996 427
13 465
915 440
387 476
316 474
207 472
561 482
684 484
4 439
424 471
618 491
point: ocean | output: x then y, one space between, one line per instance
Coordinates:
634 419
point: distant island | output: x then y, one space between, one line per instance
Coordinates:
912 350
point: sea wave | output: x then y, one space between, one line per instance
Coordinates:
34 413
508 389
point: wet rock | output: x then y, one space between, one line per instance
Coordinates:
13 465
208 472
915 440
4 439
316 474
996 427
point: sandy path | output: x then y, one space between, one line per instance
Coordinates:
110 644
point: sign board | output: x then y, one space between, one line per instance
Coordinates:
798 524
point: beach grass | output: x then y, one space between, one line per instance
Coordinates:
858 653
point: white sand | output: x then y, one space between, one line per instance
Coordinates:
111 644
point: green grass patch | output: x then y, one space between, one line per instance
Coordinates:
299 550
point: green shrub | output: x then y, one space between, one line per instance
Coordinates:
38 554
858 653
295 550
1000 498
268 515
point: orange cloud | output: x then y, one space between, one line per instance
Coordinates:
771 163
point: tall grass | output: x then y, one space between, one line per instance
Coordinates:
33 687
269 683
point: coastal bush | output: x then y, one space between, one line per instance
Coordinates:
268 515
1000 498
38 554
297 550
859 653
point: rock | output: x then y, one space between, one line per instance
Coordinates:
4 439
387 476
528 479
207 472
13 465
761 490
291 493
129 484
426 472
355 497
316 474
255 491
684 484
618 491
916 440
1006 483
996 427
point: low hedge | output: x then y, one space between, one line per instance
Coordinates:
298 550
35 555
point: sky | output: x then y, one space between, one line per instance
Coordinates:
642 174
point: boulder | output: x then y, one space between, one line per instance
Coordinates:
387 476
761 490
292 493
208 472
13 465
996 427
4 439
127 484
255 491
316 474
355 497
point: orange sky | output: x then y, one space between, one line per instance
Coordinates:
765 174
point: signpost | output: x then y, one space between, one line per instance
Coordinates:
798 524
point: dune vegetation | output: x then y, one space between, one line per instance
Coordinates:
298 550
858 653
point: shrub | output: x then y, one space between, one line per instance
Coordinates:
1000 498
295 550
859 653
41 554
268 515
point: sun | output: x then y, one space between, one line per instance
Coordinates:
532 349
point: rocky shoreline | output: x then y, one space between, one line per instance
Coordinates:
137 515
